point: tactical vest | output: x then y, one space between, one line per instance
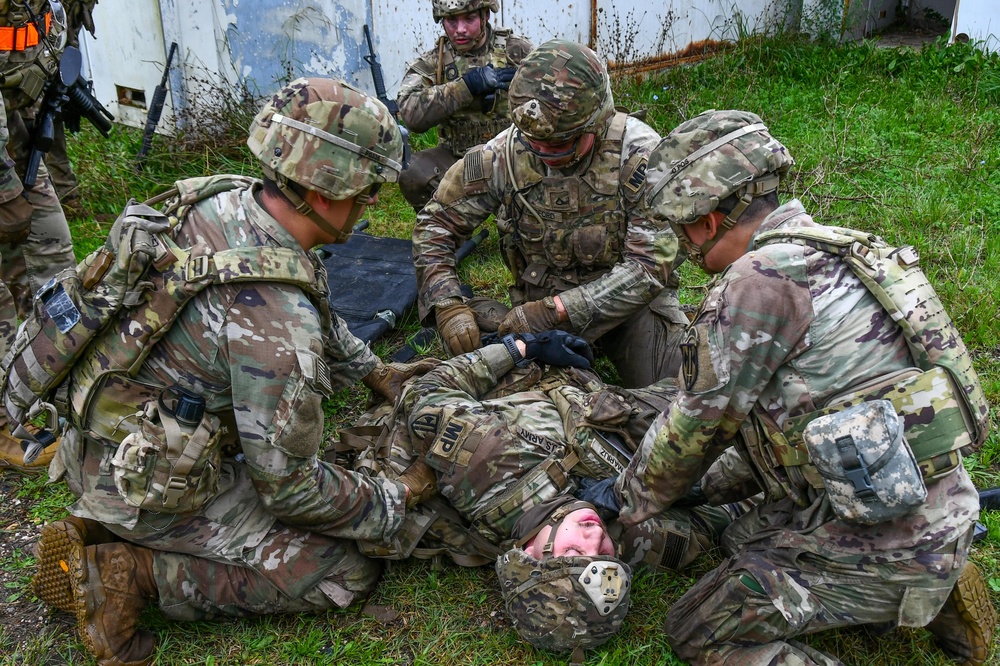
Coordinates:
944 410
102 319
26 63
470 125
597 447
558 232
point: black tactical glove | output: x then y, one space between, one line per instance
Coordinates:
504 77
602 495
481 80
695 497
557 348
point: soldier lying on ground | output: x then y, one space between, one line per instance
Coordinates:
511 446
460 87
833 352
204 460
564 183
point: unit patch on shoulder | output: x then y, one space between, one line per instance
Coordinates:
451 71
425 425
689 358
634 180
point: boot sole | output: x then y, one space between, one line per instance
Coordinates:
973 604
59 543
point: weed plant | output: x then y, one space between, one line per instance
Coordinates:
903 143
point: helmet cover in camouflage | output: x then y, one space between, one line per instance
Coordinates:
564 603
561 90
327 136
708 158
443 8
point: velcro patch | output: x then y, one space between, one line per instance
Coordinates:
449 440
424 425
636 178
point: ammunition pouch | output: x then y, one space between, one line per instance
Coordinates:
866 465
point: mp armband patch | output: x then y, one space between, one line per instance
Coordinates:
635 177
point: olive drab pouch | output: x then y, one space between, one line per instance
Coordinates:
171 464
867 467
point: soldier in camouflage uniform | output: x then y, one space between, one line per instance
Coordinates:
510 447
261 356
459 87
35 241
564 183
789 328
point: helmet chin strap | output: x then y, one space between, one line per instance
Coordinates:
757 188
305 209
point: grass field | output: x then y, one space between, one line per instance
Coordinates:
902 143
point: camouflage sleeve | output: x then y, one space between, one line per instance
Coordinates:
649 253
755 320
462 379
464 200
422 104
348 358
273 346
10 184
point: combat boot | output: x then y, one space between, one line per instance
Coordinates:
12 455
964 627
112 583
58 542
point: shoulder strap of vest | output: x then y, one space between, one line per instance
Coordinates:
442 52
616 129
498 55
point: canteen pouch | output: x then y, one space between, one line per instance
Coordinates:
165 468
867 467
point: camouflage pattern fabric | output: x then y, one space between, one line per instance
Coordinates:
561 91
427 101
258 355
498 450
592 242
10 187
785 329
443 8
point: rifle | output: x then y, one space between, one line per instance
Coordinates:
377 77
69 97
155 111
425 335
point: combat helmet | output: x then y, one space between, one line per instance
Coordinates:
563 604
327 136
561 90
443 8
702 161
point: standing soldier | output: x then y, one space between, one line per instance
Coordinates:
202 452
457 87
831 346
32 37
565 183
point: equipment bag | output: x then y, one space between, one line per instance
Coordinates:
869 471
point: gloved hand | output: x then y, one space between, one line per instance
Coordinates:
602 495
15 220
386 380
481 80
531 317
695 497
504 76
557 348
457 324
421 482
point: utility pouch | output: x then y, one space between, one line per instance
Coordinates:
170 464
869 471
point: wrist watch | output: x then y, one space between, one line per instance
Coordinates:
510 343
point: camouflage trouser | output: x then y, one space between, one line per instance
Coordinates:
290 571
422 177
8 327
747 610
60 170
645 348
49 247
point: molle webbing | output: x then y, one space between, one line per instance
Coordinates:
893 276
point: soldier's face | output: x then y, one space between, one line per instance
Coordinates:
580 533
559 154
466 31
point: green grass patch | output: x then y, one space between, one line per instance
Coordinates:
900 142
